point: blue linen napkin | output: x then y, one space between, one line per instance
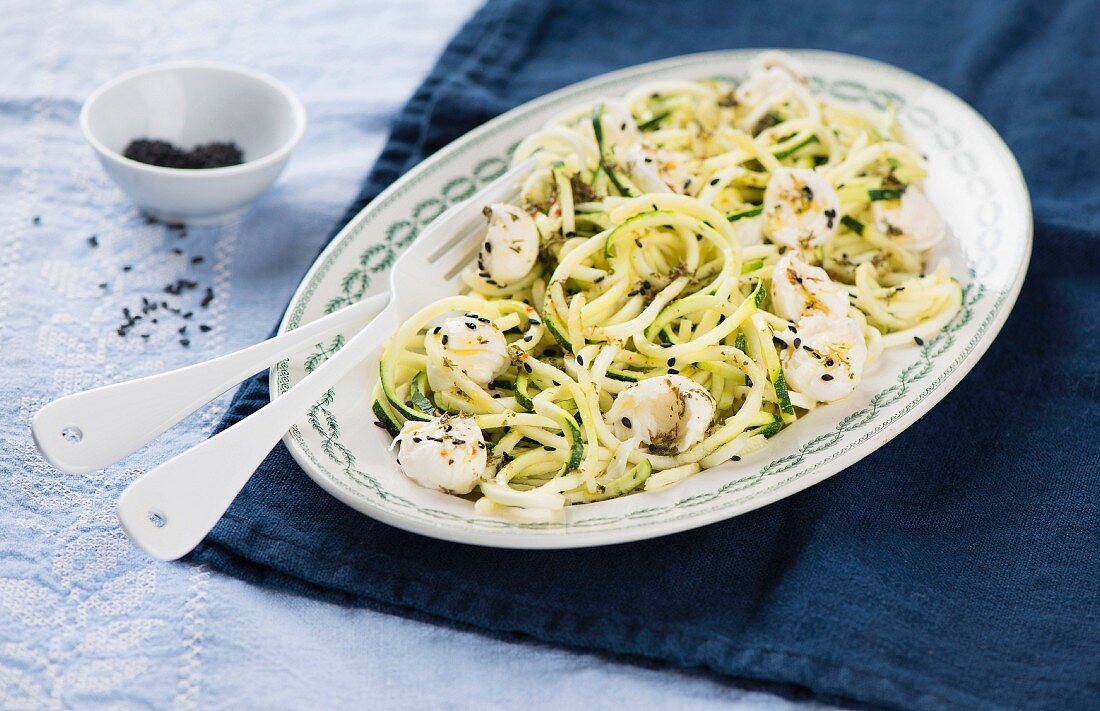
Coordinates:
957 567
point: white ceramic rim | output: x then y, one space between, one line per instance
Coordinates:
297 110
510 538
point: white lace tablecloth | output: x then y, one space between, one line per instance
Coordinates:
86 620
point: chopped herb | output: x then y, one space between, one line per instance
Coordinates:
885 194
853 224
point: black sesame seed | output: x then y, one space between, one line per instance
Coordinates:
93 241
626 423
204 328
826 377
527 367
177 250
37 220
471 325
797 342
735 458
184 342
489 247
714 182
127 267
918 340
196 260
580 359
673 371
437 329
445 339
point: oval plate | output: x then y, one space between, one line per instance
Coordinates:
973 179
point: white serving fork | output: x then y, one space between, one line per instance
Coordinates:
171 508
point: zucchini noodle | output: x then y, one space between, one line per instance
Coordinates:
658 240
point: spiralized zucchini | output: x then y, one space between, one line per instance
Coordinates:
654 260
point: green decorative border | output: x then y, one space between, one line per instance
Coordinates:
378 257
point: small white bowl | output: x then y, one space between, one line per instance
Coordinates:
186 104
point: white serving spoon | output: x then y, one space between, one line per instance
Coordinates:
170 509
94 429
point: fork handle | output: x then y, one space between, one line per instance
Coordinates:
170 509
96 428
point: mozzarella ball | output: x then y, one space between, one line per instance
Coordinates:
445 453
669 411
620 130
801 209
469 344
800 289
511 245
826 360
654 171
770 73
911 221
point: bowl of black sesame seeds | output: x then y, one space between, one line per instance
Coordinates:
193 142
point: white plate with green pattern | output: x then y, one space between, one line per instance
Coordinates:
973 179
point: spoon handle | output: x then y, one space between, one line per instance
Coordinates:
171 508
96 428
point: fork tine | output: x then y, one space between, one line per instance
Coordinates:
463 258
